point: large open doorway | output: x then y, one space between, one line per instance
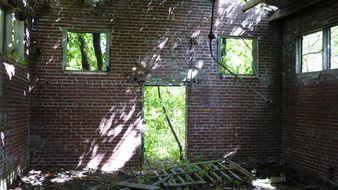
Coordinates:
164 129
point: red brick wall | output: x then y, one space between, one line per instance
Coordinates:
310 122
70 111
15 115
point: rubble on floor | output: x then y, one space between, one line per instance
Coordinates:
219 174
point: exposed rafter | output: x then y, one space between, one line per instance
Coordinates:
282 13
250 4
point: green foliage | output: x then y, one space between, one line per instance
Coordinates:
237 55
74 54
159 141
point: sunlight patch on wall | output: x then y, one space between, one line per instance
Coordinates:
10 69
2 136
163 43
237 31
123 151
95 161
192 73
227 9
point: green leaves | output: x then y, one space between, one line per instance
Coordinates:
159 142
238 55
74 56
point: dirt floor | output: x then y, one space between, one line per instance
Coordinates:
89 180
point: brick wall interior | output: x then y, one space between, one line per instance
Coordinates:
82 118
14 117
310 122
95 119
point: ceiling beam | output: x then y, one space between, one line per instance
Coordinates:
251 4
287 11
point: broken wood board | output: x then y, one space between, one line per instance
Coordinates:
194 174
138 186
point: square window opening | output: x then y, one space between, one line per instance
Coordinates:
86 51
238 54
311 52
12 41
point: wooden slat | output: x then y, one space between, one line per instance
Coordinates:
210 178
215 166
199 177
138 186
225 175
235 175
187 184
186 174
239 168
214 174
161 179
178 176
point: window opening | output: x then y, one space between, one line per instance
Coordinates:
239 55
86 51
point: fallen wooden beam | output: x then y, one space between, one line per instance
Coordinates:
138 186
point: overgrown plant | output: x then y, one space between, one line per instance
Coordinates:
159 141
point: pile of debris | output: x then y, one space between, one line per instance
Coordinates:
224 174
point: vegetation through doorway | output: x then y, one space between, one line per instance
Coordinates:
164 107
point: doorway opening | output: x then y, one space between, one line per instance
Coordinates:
164 129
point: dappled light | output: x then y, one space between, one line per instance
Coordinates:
120 127
10 177
237 31
193 73
2 136
38 177
230 11
10 70
265 184
66 176
35 178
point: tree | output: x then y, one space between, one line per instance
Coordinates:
97 49
86 51
84 60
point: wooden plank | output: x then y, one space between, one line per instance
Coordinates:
126 188
282 13
216 176
222 166
239 168
235 175
251 4
186 174
178 176
210 178
196 166
215 166
199 177
225 175
138 186
188 183
161 179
